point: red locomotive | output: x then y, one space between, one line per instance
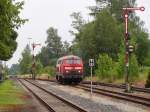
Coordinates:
69 69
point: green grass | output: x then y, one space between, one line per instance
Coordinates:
10 93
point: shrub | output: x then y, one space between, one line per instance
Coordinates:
133 68
120 67
105 68
50 71
39 67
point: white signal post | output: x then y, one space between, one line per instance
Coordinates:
126 11
91 64
33 59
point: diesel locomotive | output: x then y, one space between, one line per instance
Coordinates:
69 69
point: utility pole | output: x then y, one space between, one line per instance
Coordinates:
33 61
129 48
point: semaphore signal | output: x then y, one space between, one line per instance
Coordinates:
129 48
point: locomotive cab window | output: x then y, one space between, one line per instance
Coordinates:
78 61
73 61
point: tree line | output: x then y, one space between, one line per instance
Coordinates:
103 40
46 59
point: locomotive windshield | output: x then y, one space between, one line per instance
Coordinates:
73 61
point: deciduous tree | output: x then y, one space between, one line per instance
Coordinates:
9 22
53 42
26 61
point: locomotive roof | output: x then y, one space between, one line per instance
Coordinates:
69 57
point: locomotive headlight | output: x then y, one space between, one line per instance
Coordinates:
78 68
79 71
67 71
68 68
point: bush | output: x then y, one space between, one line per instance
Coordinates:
133 68
39 67
120 68
50 71
147 85
105 68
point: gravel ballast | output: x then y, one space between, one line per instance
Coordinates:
96 103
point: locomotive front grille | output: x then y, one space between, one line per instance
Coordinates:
74 73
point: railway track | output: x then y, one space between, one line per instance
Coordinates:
116 94
109 85
138 89
51 101
118 86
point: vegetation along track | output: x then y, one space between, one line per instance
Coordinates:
53 102
118 95
118 86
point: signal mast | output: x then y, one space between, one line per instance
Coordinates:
129 48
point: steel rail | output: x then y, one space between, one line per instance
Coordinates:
118 95
118 86
134 88
60 98
40 99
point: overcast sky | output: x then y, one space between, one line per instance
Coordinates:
43 14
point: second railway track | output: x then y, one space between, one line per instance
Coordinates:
51 101
134 88
121 86
119 95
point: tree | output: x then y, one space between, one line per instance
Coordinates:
26 61
14 69
66 48
77 22
102 35
138 34
53 50
114 6
9 22
45 56
53 42
143 48
108 34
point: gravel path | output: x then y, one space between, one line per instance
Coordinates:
96 103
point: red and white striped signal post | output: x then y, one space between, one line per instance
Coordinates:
126 12
33 61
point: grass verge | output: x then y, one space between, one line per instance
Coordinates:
10 94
